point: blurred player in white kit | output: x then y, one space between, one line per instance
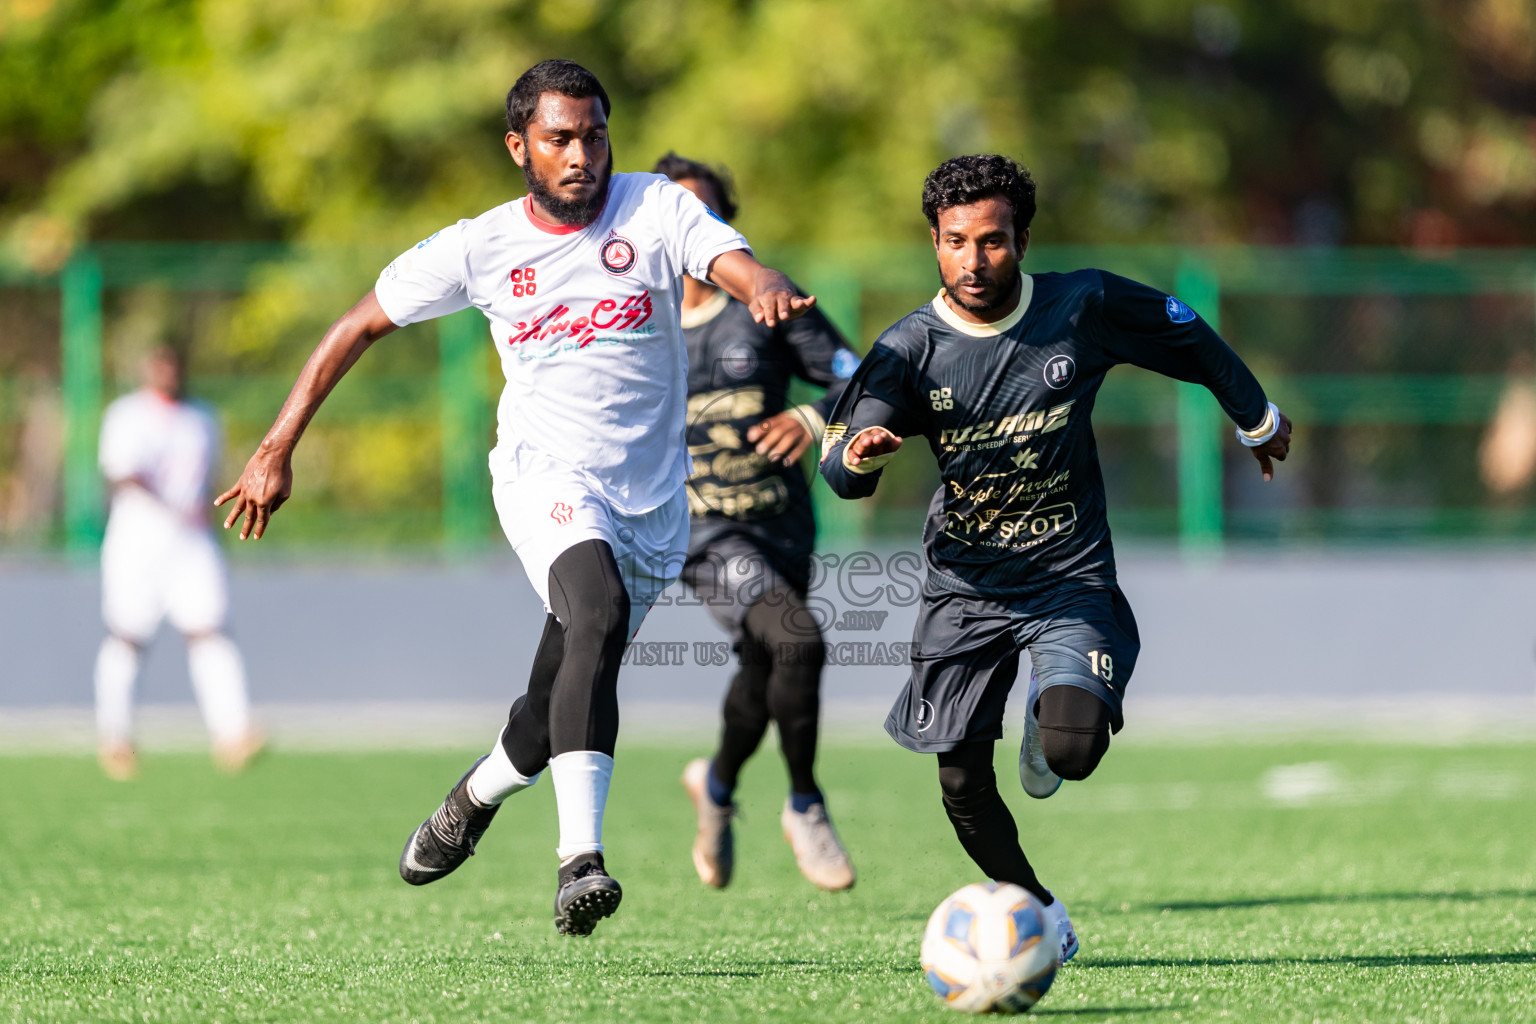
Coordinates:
159 561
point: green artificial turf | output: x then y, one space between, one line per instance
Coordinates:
1246 882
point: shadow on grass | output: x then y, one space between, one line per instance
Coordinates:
1344 897
775 968
1414 960
1104 1011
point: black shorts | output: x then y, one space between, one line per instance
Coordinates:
731 571
965 659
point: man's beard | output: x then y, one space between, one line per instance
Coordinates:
568 211
975 306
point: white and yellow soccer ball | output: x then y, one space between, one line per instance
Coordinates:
991 948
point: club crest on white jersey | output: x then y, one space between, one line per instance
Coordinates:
618 255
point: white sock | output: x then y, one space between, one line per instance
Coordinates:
497 778
117 669
218 677
581 792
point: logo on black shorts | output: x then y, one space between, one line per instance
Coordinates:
925 715
618 255
1059 371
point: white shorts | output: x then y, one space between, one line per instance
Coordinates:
150 573
546 507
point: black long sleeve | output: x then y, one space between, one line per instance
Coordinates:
881 394
1146 328
821 356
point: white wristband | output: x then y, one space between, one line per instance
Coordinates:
1262 433
869 463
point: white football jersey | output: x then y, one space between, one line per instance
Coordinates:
169 447
586 322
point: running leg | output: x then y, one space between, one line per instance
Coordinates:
982 821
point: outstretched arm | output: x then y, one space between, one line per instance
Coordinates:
768 293
1146 328
268 478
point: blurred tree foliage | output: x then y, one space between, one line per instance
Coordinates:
368 124
376 121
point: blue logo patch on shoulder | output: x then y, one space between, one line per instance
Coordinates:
424 241
715 215
1178 312
844 363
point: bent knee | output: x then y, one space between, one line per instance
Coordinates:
599 621
1073 753
959 784
807 656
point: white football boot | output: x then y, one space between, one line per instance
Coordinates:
1036 775
714 847
1058 913
818 850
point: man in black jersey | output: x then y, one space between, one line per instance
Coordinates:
750 545
999 372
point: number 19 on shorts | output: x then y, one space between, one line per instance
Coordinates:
1102 664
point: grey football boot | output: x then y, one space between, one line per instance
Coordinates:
818 850
1036 775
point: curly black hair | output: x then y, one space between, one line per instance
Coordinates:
565 77
967 179
680 167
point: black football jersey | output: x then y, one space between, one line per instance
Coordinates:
739 373
1006 409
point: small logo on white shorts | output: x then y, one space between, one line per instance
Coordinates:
561 513
925 715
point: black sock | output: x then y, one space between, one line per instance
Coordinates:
781 622
588 595
526 739
982 821
745 715
572 701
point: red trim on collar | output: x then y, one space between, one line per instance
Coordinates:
553 229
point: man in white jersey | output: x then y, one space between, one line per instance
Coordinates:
158 561
581 284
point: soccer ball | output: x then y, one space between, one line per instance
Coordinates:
991 948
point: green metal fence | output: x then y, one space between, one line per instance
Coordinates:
1381 352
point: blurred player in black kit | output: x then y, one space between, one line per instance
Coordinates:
750 545
999 372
